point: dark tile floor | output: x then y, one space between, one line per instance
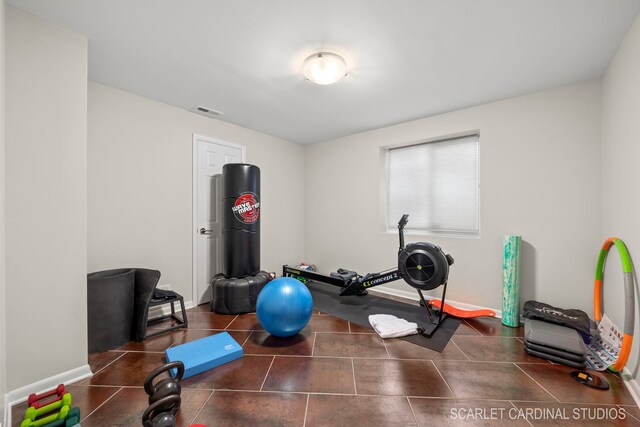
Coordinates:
336 373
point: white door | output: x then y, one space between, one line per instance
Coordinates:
211 156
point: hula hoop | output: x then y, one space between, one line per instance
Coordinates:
629 304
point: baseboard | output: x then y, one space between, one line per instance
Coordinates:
632 385
163 310
21 394
413 296
6 417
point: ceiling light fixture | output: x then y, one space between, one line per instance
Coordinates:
324 68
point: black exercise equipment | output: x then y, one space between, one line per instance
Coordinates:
164 395
357 309
165 387
162 413
232 296
240 220
235 290
554 342
424 266
162 297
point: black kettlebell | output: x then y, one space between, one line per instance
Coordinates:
166 386
162 413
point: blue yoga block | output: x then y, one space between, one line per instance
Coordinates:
204 354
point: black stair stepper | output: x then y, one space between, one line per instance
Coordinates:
162 297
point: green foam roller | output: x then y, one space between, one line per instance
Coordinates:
511 281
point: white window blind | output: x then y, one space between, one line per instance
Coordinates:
436 183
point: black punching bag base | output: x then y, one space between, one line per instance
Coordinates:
237 296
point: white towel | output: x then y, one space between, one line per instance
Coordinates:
388 326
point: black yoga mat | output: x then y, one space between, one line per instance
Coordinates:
357 309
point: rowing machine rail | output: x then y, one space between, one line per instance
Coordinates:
424 266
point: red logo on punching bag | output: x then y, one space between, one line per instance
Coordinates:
247 208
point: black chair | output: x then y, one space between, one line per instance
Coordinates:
118 304
146 296
110 301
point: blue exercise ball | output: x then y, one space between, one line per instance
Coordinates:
284 307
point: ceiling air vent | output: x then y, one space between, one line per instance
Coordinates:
207 111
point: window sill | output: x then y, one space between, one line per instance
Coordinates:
445 234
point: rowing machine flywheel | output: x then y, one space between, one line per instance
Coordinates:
423 265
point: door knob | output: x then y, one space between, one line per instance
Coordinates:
205 231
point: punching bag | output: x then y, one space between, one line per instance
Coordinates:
240 220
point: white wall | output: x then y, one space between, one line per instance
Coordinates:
539 176
3 367
140 186
620 204
46 211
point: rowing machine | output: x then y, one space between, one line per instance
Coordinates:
424 266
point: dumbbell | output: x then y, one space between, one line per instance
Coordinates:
72 419
166 386
162 412
32 413
34 399
60 415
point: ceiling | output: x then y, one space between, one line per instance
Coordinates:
407 59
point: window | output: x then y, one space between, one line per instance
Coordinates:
437 184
